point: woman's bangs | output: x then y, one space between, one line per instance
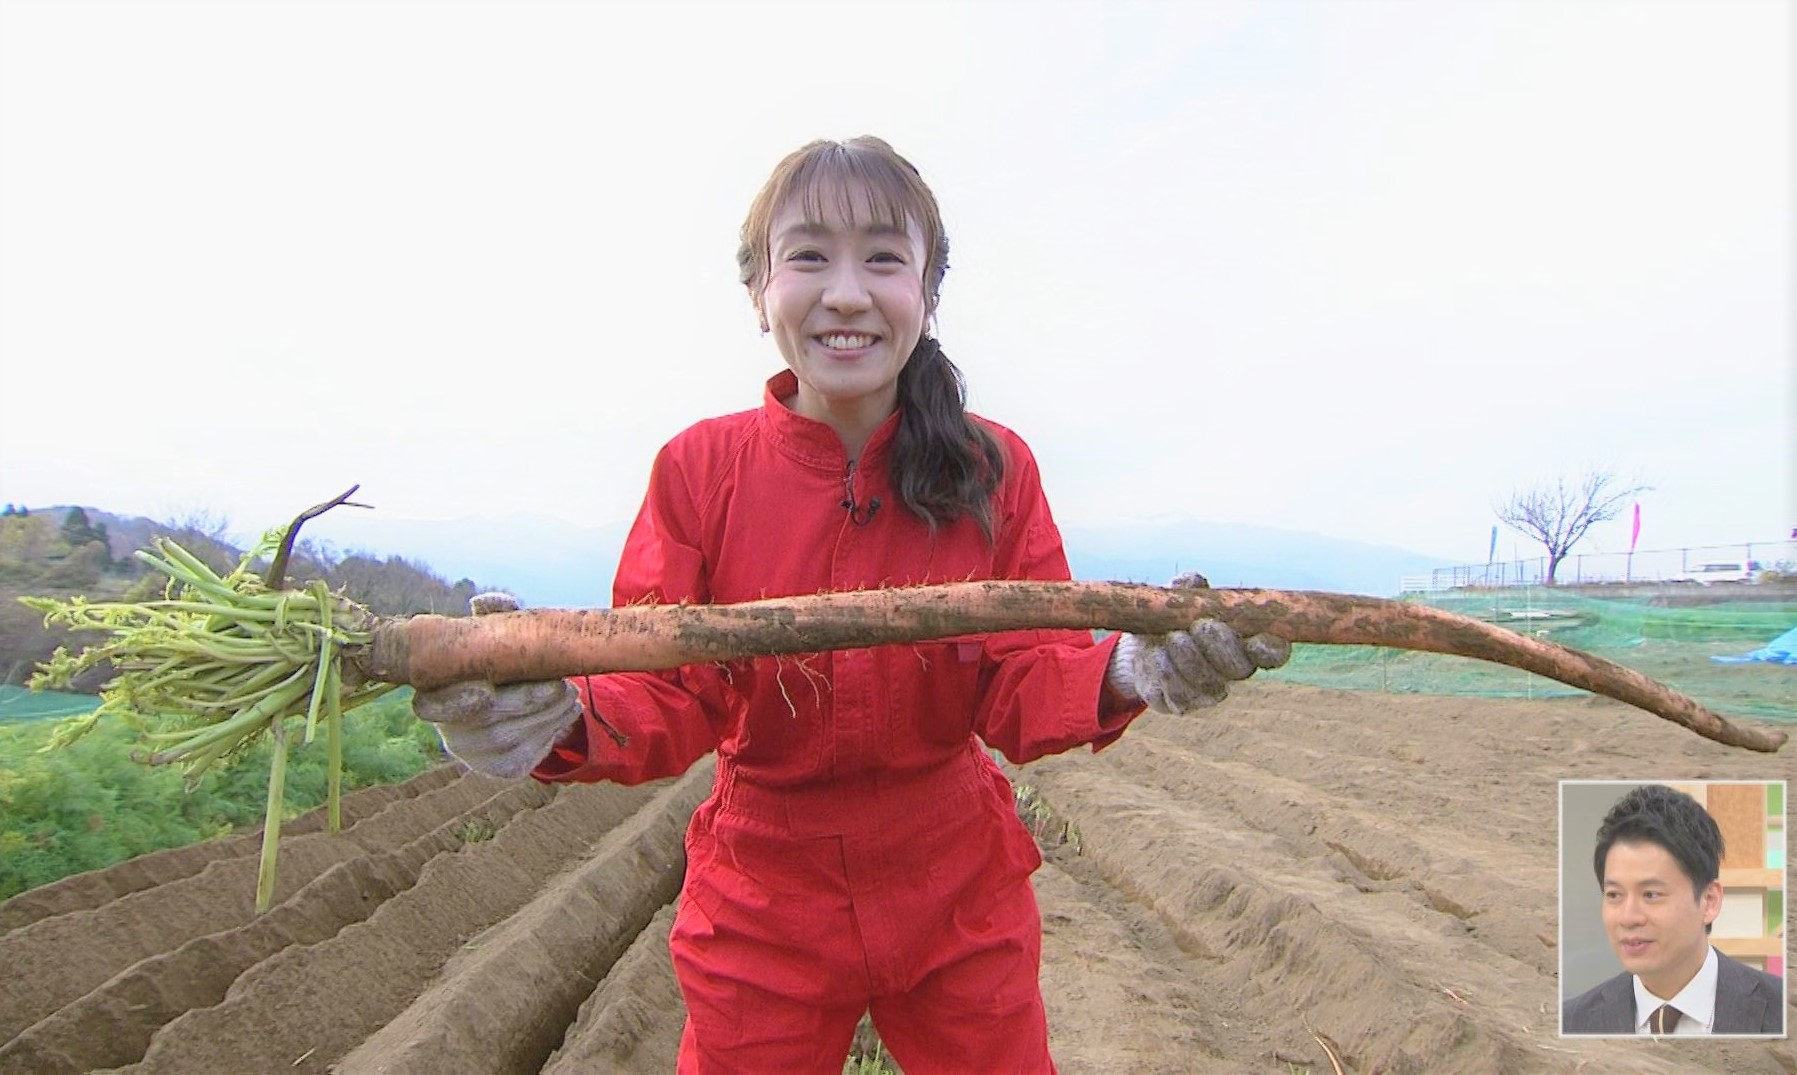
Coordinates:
865 189
863 183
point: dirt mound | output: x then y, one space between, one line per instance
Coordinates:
1304 872
84 891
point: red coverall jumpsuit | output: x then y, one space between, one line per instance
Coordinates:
860 850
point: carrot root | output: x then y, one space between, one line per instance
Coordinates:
431 651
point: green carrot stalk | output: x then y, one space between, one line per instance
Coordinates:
271 827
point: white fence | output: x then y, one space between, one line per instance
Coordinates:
1643 566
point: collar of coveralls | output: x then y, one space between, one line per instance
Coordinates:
811 442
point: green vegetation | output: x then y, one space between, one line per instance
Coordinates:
1669 635
872 1064
868 1055
476 830
1048 829
89 805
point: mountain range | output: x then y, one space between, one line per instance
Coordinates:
550 563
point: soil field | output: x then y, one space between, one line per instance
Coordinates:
1305 873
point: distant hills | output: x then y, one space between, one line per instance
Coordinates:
1234 554
64 550
549 563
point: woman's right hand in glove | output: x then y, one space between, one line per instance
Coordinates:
500 731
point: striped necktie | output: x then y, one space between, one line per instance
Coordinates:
1664 1020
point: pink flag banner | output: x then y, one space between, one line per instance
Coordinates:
1635 534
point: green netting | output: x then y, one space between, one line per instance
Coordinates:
1664 636
19 704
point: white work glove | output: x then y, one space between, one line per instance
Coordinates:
500 731
1184 671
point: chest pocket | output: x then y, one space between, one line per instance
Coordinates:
945 679
784 728
943 676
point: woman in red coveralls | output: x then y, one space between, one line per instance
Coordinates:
860 851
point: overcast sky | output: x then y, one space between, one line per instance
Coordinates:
1358 268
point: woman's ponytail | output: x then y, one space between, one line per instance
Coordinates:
944 464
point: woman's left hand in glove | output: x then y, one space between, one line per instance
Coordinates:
1185 671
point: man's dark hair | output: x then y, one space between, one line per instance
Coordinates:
1656 814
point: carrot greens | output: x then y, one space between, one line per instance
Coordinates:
215 664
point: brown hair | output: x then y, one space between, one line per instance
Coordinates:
944 464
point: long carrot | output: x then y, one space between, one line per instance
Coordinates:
221 660
430 651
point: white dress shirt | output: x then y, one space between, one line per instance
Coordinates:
1696 1002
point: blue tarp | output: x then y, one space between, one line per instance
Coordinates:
1781 650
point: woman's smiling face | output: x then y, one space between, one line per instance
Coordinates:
844 301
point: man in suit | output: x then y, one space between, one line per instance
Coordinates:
1658 857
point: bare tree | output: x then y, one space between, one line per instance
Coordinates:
199 522
1558 515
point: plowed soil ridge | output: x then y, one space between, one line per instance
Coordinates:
504 1002
1299 879
113 1024
269 1020
43 974
1331 870
84 891
1101 955
631 1024
1256 911
1424 863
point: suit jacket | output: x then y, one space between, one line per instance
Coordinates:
1747 1002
